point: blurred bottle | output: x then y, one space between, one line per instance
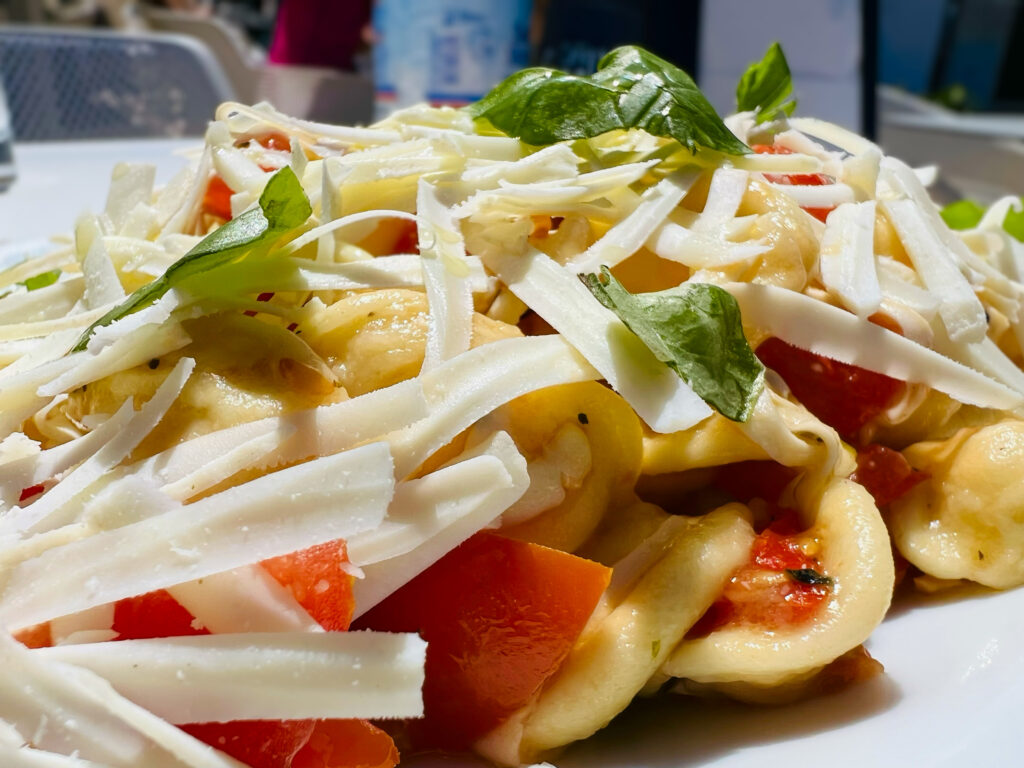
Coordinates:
446 52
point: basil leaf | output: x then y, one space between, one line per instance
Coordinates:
1014 223
41 280
809 576
283 206
766 85
697 331
963 214
632 88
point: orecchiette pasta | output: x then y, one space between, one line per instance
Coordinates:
598 417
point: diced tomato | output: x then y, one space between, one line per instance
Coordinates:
275 141
761 593
408 239
300 743
256 743
798 179
217 199
155 614
38 636
32 490
775 552
746 480
347 744
843 396
885 473
499 617
318 580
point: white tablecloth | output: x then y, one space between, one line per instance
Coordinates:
57 181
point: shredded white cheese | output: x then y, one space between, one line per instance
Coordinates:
261 676
328 498
826 330
657 394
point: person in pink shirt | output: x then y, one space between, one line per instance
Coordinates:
319 33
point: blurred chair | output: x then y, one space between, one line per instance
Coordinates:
314 93
241 62
94 84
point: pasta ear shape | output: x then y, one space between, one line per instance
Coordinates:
591 421
645 612
855 554
967 520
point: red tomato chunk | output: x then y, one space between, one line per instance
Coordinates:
843 396
885 473
499 617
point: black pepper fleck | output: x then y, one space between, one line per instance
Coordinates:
582 418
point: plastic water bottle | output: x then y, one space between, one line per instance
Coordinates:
446 52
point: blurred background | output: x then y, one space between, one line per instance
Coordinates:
931 80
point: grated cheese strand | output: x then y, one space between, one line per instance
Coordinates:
49 511
659 396
813 325
960 309
334 497
847 259
260 676
432 515
450 302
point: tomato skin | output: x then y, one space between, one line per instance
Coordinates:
797 179
347 744
275 141
155 614
32 490
499 616
217 198
38 636
760 593
256 743
843 396
885 473
318 580
408 240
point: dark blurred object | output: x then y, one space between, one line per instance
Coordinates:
7 170
573 35
93 84
319 33
964 54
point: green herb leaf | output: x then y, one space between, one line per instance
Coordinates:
632 88
283 206
697 331
963 214
655 648
809 576
1014 223
41 280
766 85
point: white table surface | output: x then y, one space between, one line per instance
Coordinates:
58 181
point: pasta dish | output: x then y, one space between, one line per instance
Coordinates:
463 430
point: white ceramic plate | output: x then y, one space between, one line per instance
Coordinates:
952 695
